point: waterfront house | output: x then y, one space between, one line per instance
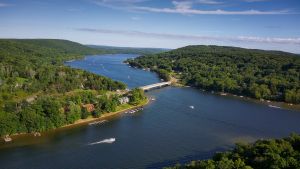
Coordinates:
123 100
89 107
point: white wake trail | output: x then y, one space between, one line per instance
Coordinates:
108 141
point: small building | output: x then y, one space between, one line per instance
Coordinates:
123 100
89 107
31 99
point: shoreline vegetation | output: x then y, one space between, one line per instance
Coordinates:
176 82
39 93
120 110
109 114
268 77
274 104
262 154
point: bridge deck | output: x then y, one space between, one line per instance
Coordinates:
156 85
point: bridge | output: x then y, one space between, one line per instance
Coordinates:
156 85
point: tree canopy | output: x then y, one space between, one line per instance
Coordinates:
35 85
272 154
260 74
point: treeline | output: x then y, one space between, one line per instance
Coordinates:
270 75
31 71
53 111
263 154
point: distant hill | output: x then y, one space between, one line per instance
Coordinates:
272 75
53 48
129 50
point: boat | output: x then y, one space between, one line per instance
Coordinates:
7 139
192 107
272 106
69 61
109 141
98 122
93 123
37 134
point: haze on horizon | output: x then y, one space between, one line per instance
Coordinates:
262 24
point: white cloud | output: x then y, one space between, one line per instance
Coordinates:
255 0
4 5
274 40
209 2
182 4
191 11
117 2
183 7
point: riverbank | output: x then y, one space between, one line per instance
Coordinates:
272 104
106 115
121 109
175 79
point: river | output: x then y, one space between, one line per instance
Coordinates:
167 131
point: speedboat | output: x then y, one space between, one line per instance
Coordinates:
274 106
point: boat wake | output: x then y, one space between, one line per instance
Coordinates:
108 141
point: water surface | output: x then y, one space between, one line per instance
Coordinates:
112 66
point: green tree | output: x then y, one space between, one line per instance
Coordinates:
84 113
8 123
74 113
136 95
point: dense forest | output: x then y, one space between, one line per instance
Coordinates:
263 154
271 75
38 93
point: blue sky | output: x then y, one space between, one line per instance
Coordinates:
263 24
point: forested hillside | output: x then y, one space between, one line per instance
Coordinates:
271 75
263 154
34 83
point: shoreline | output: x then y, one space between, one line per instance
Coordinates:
176 82
270 103
104 116
77 123
275 104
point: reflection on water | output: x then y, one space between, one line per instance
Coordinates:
167 131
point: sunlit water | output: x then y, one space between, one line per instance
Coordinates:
167 131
